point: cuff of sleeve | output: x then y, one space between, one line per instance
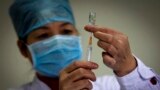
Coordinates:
141 73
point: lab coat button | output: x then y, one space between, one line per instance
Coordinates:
153 80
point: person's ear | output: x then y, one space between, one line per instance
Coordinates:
23 48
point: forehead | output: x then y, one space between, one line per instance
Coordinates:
55 26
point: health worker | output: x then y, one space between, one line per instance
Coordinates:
48 38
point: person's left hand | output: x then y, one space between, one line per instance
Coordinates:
117 53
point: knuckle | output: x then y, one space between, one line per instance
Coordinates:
109 49
120 41
83 82
95 34
81 70
62 79
62 73
109 40
76 63
86 82
85 75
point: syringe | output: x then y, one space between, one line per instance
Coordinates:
92 19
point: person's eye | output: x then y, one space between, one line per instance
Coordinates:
66 32
43 36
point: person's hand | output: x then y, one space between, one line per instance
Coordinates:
77 76
117 53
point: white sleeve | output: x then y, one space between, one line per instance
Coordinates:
106 83
142 78
36 84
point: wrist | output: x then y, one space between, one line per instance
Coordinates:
127 67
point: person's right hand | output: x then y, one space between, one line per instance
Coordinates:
77 76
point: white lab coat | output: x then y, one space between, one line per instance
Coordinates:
139 79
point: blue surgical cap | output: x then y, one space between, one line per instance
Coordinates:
28 15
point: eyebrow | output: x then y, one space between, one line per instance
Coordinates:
64 24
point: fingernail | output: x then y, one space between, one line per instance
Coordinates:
114 62
87 27
94 64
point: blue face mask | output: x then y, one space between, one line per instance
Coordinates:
50 56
